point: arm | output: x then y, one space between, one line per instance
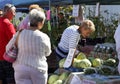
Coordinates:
10 31
74 39
73 42
11 42
47 46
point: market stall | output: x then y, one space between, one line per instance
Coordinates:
99 66
95 64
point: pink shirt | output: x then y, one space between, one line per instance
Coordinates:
24 24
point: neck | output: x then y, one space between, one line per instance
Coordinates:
79 30
33 28
5 16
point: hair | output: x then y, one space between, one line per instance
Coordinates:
1 10
36 16
34 6
88 24
7 7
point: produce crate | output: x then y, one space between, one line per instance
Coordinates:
70 69
80 78
73 69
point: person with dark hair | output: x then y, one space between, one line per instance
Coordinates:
7 31
20 18
62 23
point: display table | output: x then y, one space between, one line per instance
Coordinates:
80 78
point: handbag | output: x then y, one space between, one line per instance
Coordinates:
12 53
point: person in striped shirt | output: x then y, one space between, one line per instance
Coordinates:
71 37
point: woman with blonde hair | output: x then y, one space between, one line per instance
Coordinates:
71 37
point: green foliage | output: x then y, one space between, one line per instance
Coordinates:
105 26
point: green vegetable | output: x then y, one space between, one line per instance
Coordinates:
97 62
106 70
81 56
84 63
61 62
89 70
64 76
58 82
52 79
76 63
110 62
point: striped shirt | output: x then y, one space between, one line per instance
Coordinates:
33 48
69 39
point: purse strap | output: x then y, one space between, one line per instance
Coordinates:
16 42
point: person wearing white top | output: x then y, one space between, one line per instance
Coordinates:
33 46
71 37
117 41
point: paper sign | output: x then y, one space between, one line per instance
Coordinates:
75 11
97 9
75 80
69 58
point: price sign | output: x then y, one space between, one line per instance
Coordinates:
75 10
69 58
75 80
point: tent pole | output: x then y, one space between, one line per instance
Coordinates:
49 4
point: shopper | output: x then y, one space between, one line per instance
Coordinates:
62 22
7 31
31 66
117 41
71 36
24 24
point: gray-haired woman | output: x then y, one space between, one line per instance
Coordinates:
31 66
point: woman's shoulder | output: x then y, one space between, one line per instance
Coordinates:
73 27
43 35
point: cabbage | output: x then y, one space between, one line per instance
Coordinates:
58 82
64 76
81 56
61 62
97 62
84 63
52 79
110 62
76 63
